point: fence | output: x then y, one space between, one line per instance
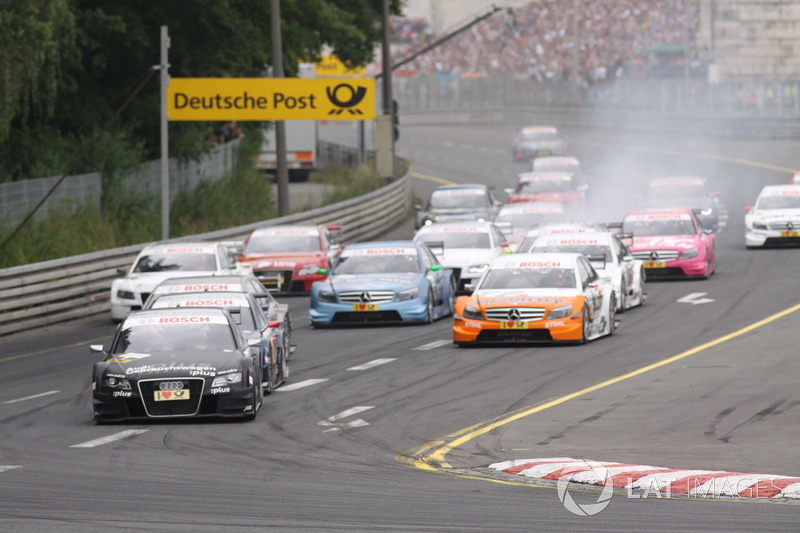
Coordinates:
63 289
664 96
18 198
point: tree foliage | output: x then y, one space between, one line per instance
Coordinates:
67 65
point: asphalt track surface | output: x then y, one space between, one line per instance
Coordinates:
395 432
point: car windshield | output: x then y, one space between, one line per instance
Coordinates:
464 198
265 244
458 239
788 201
174 337
658 227
596 250
175 262
242 315
556 168
376 264
538 137
672 192
529 187
545 278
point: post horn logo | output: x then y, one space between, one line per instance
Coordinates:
356 95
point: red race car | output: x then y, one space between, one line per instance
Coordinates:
290 258
551 187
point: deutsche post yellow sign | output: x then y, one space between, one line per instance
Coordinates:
333 66
222 99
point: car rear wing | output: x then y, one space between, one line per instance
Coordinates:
505 227
599 260
436 247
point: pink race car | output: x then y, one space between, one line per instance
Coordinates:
670 242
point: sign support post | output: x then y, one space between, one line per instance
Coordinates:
164 67
281 170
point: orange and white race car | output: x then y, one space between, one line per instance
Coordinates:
539 297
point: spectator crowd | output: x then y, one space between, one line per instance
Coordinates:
536 40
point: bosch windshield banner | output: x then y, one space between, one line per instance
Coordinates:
222 99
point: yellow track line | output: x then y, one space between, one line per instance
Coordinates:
417 175
688 154
437 458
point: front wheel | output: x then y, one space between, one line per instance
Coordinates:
429 319
612 315
269 386
585 330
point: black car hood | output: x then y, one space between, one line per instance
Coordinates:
169 364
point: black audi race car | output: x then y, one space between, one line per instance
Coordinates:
177 363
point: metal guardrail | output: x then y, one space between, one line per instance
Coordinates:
63 289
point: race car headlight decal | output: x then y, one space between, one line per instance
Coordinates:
759 225
117 383
688 254
327 296
560 312
307 270
478 269
227 379
408 294
472 313
126 295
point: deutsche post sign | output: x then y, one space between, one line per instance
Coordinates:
222 99
333 66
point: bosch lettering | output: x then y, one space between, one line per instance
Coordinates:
540 264
183 319
205 287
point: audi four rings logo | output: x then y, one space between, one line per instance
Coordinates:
514 314
365 297
170 385
355 97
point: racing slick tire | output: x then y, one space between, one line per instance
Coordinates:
269 386
612 315
431 312
585 327
258 398
623 287
284 370
451 300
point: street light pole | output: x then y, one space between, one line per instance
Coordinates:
388 108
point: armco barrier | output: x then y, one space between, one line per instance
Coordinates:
63 289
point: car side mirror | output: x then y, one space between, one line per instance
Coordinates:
468 287
434 268
322 271
274 324
96 348
508 191
335 246
254 342
122 270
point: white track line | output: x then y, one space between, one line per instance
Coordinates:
432 345
108 439
8 467
48 393
372 364
299 385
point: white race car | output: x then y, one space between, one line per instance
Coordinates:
557 228
466 247
608 255
775 218
158 262
514 220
